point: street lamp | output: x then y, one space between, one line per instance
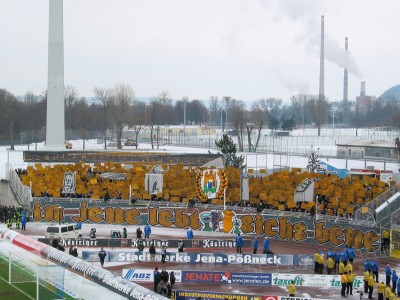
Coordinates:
226 99
333 121
184 99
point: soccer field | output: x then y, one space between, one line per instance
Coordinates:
26 289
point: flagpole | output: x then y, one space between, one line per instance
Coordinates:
224 199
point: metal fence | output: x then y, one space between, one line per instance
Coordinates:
379 210
23 193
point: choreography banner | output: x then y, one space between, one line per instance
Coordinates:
203 258
69 183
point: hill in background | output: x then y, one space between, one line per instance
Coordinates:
393 91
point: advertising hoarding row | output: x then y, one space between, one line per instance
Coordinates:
202 258
115 243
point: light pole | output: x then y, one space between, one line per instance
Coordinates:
226 99
145 114
184 99
333 122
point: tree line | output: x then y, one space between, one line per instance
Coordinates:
116 108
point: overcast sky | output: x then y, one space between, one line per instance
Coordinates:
246 49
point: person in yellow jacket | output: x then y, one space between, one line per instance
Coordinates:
343 280
388 290
316 268
350 280
371 283
381 290
291 289
366 275
321 264
385 239
392 296
341 268
348 268
330 265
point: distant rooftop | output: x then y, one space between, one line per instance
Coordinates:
369 143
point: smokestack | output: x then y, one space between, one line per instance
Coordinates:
362 93
346 79
321 62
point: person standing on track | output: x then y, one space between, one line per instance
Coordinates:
388 272
291 289
350 280
147 231
189 234
343 280
239 243
371 283
156 278
102 255
180 246
267 249
163 253
255 245
381 290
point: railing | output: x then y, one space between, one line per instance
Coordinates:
367 213
23 193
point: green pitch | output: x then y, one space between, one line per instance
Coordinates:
26 290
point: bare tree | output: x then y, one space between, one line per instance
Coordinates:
138 118
257 119
214 110
318 109
161 110
299 107
104 97
237 115
121 98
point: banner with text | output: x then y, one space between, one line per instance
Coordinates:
203 258
314 280
146 275
117 242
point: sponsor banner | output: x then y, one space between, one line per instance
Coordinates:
288 298
203 258
146 274
227 277
86 242
21 240
207 243
194 295
314 280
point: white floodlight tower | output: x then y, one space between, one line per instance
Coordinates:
55 122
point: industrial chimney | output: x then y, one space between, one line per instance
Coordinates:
362 93
346 79
321 62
